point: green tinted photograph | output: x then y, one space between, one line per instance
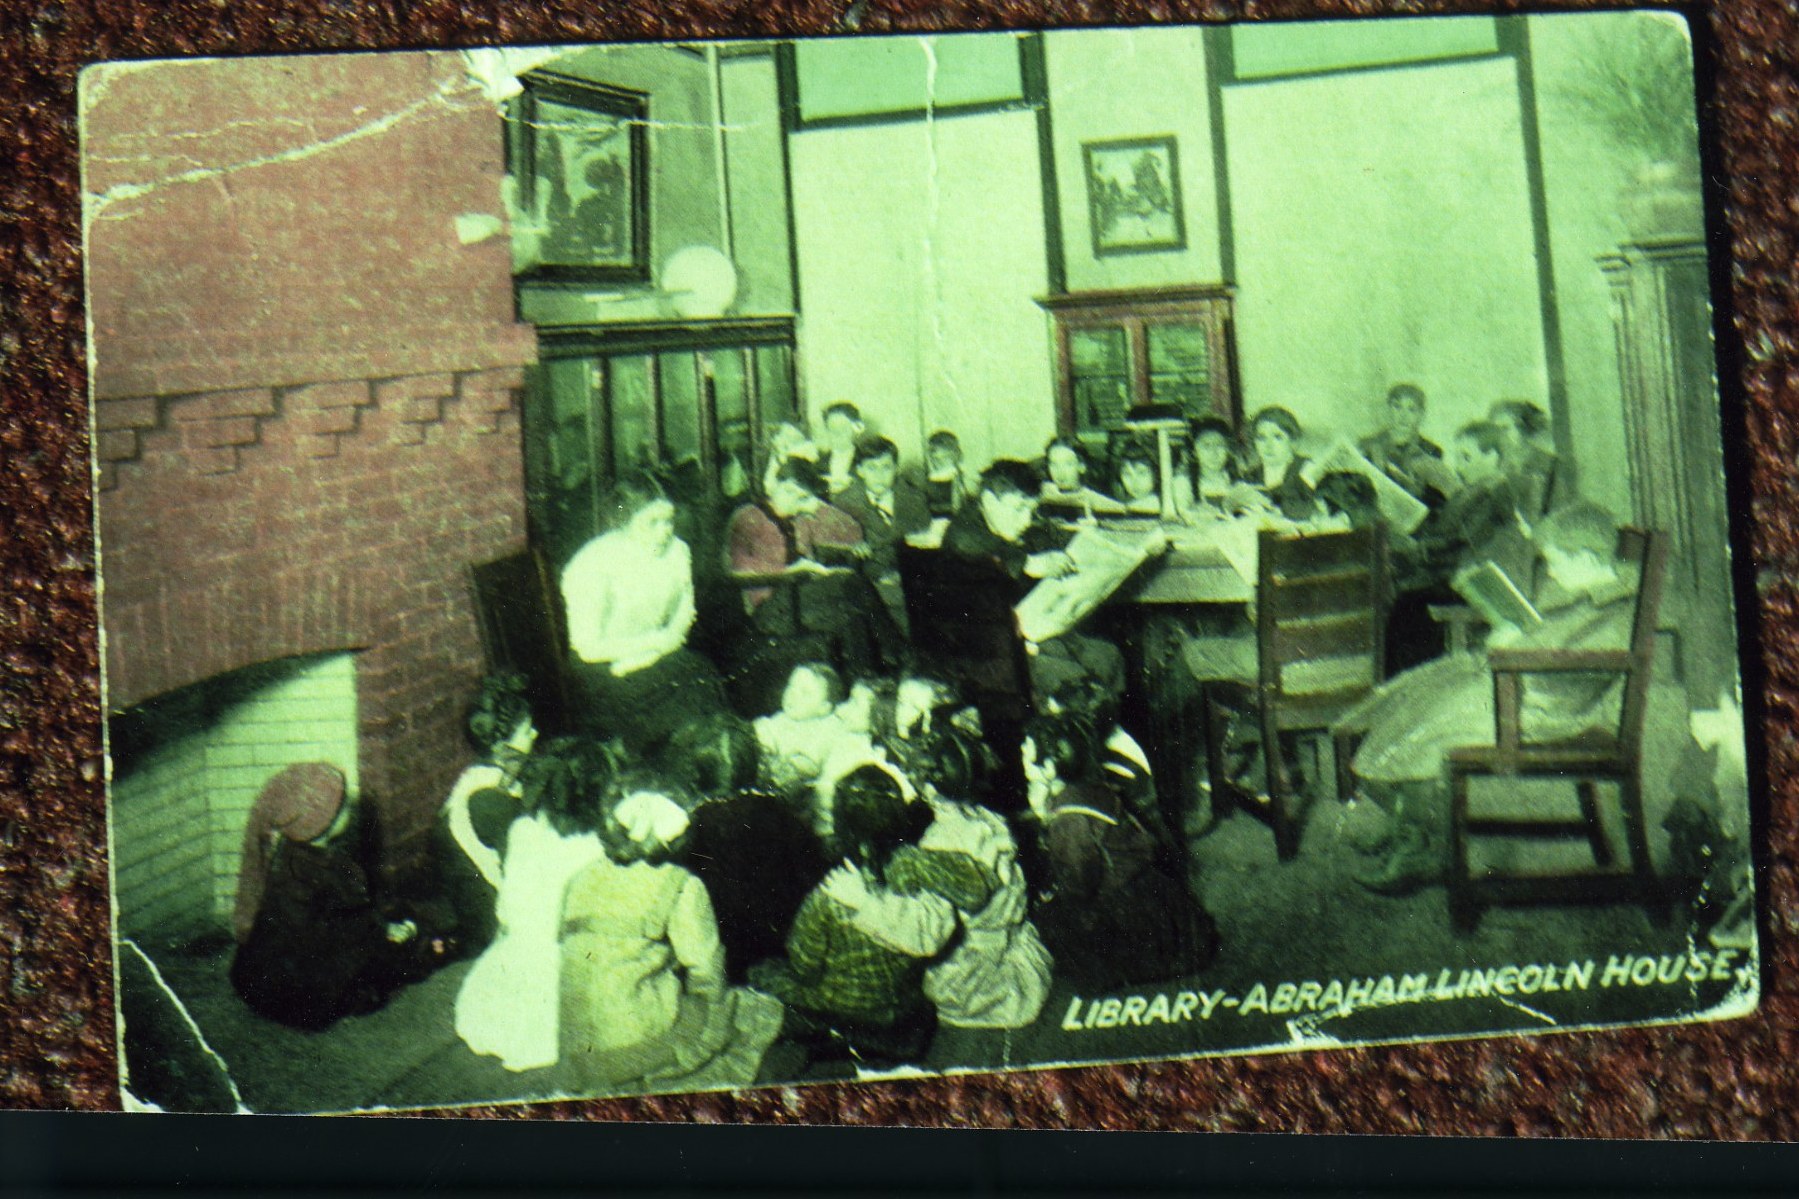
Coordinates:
658 568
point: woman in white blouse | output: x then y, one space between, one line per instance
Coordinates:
628 594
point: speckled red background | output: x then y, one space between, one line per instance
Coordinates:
1734 1081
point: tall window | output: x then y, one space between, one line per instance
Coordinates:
1121 354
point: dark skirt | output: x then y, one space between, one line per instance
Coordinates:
645 708
1111 908
318 950
470 896
758 860
1145 929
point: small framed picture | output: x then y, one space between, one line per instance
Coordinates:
1134 196
581 173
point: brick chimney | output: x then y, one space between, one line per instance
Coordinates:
305 387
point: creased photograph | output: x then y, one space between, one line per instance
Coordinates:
657 568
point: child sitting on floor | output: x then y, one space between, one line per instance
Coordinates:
817 737
643 992
850 993
996 973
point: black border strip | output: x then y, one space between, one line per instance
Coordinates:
1221 67
1514 38
1033 63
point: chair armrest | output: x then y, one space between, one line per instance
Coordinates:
761 580
1559 661
1560 757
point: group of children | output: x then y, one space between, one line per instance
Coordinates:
835 874
836 857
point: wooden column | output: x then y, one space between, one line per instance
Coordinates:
1662 318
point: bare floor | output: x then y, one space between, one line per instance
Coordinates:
1289 932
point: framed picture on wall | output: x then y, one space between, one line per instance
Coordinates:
580 167
1134 196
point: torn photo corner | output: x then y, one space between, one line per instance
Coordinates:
570 520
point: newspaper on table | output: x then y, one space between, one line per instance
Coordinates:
1240 541
1402 510
1103 560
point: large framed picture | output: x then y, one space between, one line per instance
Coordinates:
1134 196
580 170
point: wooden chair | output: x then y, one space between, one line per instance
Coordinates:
518 604
1607 756
1320 633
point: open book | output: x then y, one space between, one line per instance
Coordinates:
1491 592
1402 510
1103 559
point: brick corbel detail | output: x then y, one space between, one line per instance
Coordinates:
212 431
414 404
324 414
490 399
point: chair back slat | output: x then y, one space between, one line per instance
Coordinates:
1298 557
1322 613
1320 596
1328 636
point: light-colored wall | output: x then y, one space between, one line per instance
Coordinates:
685 194
1382 225
921 254
179 814
1367 250
752 117
1111 84
1587 173
161 843
1383 233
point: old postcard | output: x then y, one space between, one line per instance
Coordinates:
656 568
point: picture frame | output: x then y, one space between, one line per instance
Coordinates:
1134 195
580 166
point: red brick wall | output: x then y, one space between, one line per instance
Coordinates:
305 386
250 227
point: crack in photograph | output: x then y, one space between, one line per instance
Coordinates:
670 567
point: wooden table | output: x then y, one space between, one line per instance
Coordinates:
1194 570
1188 577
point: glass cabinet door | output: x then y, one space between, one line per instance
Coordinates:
1162 348
733 421
775 397
689 415
1099 368
566 449
1180 367
628 407
678 405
